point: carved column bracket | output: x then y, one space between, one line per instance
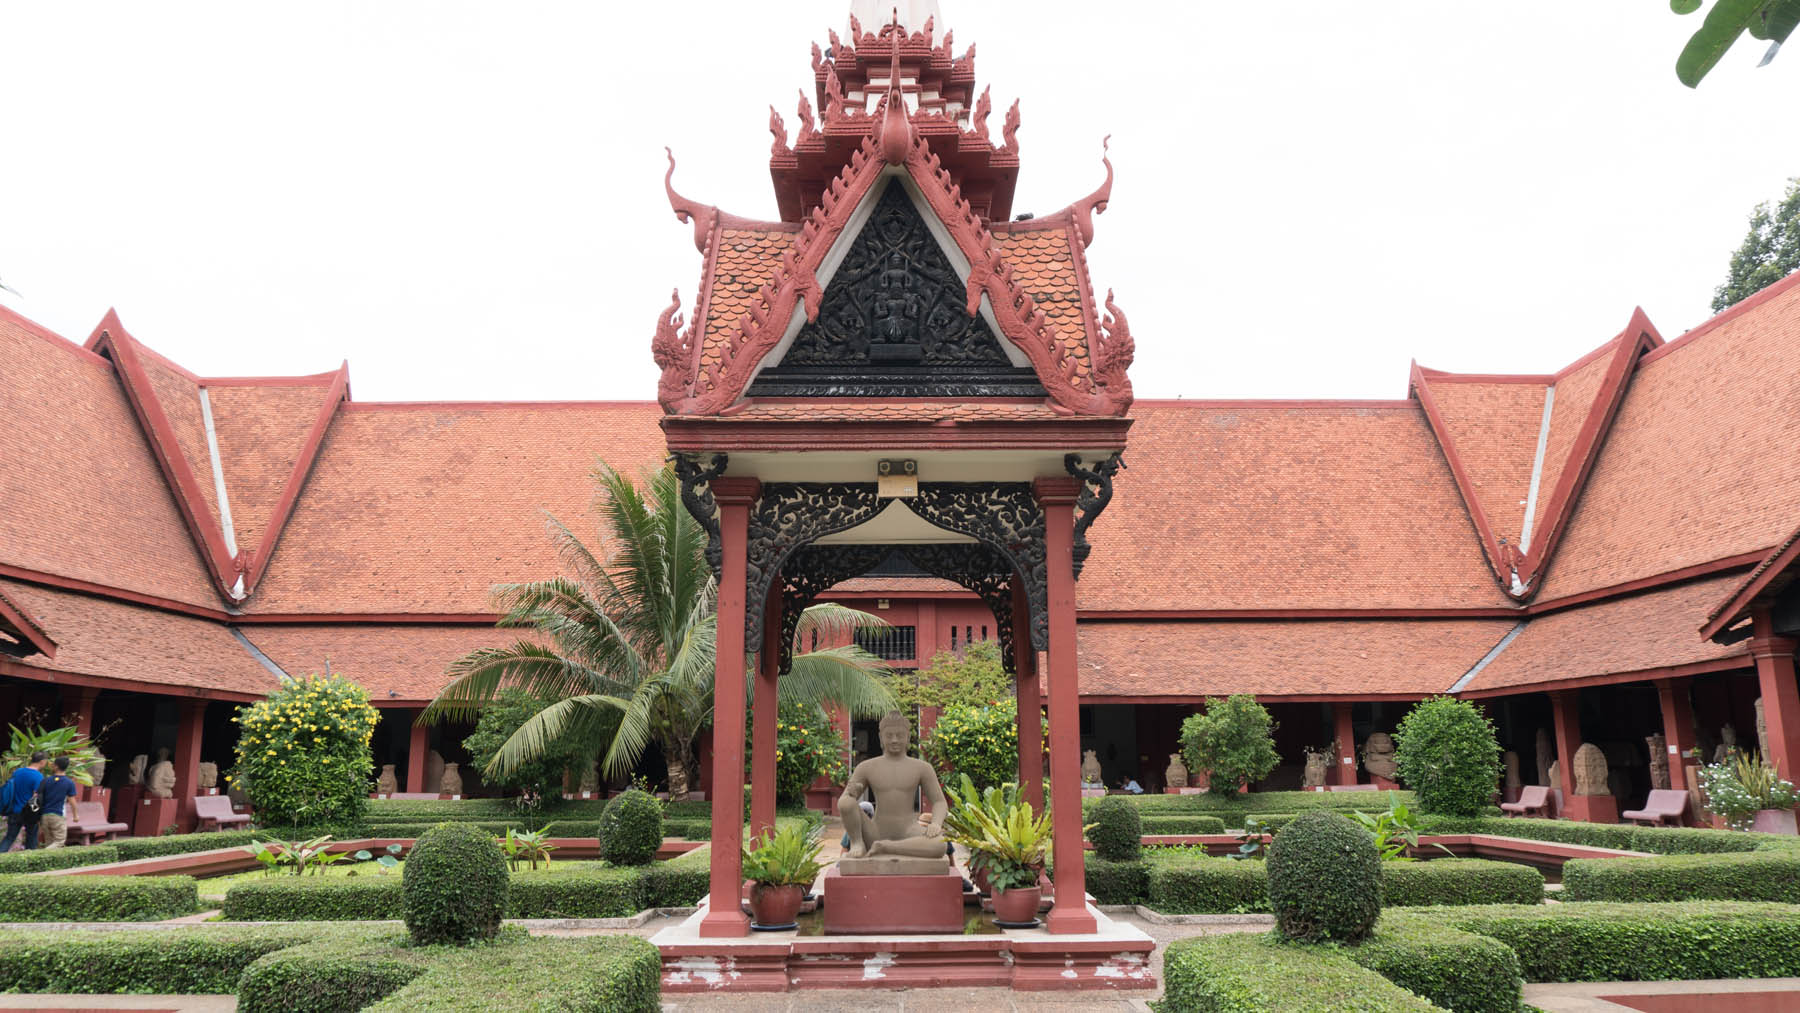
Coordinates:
789 516
1096 493
808 573
981 570
1007 518
696 495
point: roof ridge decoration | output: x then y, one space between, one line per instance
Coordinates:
1519 568
234 573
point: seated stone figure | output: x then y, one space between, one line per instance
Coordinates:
893 778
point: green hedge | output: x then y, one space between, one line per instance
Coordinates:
43 860
331 976
1756 875
1260 802
280 898
1188 883
96 898
501 810
1656 840
132 848
1454 969
199 959
1459 881
1634 942
591 974
1241 973
1166 823
1118 882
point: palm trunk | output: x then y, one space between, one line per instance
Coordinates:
680 760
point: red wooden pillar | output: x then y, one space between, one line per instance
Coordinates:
925 630
1780 696
763 732
1031 703
1344 771
187 760
1678 727
1565 706
78 702
725 916
1070 913
416 748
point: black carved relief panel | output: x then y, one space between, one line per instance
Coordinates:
980 569
1006 517
787 517
808 573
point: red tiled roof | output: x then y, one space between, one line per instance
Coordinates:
1304 658
1619 635
1697 466
83 496
113 640
1043 261
261 430
744 261
1493 427
873 410
893 585
1576 392
392 662
422 508
1266 505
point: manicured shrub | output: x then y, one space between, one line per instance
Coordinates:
1117 829
1242 973
1154 823
1459 881
981 741
1195 884
1233 741
337 976
61 858
1118 882
197 959
1655 840
680 882
455 884
593 974
1636 942
542 776
133 848
631 828
1453 969
1235 807
578 893
1448 754
96 898
1756 875
1324 879
315 898
304 750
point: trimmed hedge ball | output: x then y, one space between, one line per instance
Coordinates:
454 885
1118 829
631 828
1324 879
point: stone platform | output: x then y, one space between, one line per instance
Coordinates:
890 904
1115 956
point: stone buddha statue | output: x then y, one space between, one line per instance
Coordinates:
893 833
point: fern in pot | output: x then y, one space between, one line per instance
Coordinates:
1009 847
781 866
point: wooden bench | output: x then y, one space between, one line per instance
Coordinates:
90 823
214 812
1534 800
1664 807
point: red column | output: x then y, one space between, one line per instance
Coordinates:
187 760
763 732
726 917
78 702
1678 727
925 629
416 748
1031 703
1070 913
1344 771
1565 708
1781 697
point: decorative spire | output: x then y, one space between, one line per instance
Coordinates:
896 125
908 15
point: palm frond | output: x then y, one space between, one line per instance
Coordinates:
577 717
835 623
848 677
477 677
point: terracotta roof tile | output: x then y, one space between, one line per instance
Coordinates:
422 508
1644 631
113 640
1265 505
746 260
1044 264
179 395
83 495
893 585
1697 465
1325 657
392 662
885 411
1575 401
1494 428
261 430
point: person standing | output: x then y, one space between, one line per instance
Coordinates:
53 796
20 792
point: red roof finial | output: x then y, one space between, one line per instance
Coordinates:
896 126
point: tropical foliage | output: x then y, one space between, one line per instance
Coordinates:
628 636
973 678
1742 786
788 857
1010 845
304 751
1447 753
540 778
1769 253
526 848
1233 741
62 740
806 747
981 742
1771 21
1396 831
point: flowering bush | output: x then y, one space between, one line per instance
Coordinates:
806 746
304 752
1743 785
982 742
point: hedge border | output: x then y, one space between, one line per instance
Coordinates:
1457 970
96 898
1242 973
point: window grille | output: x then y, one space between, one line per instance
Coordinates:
891 643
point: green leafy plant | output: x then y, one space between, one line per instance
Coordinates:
980 741
1770 250
788 857
454 885
1250 842
631 828
1324 879
1742 786
539 779
1009 844
806 747
304 751
1118 829
1448 754
527 848
63 740
970 677
1233 741
299 857
1772 21
1396 831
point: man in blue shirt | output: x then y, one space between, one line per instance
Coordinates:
58 788
24 784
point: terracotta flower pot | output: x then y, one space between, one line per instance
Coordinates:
775 905
980 878
1018 906
1774 821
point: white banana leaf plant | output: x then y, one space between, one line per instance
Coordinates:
630 631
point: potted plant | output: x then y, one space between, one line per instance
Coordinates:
781 866
1011 850
962 826
1747 794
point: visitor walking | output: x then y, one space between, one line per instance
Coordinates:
18 799
58 788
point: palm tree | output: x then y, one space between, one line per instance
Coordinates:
630 634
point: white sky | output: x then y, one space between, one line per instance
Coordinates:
465 200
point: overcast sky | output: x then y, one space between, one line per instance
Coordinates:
465 200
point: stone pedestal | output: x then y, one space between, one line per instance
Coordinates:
153 814
892 905
1591 808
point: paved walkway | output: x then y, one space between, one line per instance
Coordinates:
1757 994
141 1003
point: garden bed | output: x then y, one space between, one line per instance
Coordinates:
226 861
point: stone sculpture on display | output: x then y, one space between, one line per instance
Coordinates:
434 767
1176 776
1318 762
1659 760
1090 767
1555 773
1378 756
97 768
891 841
1762 730
161 777
1513 784
387 784
208 776
1728 746
1546 757
590 779
136 774
451 783
1590 771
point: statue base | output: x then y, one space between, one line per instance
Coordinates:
892 904
1592 809
152 815
892 865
